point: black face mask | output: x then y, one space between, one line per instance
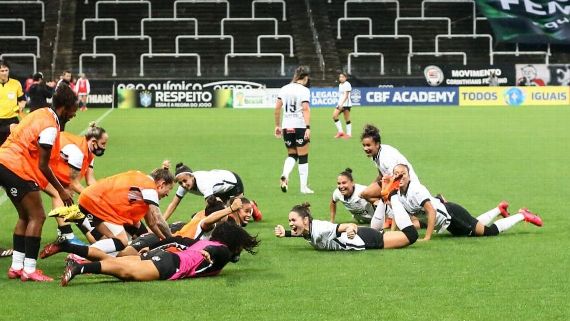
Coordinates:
98 151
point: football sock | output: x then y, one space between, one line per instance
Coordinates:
489 216
29 265
508 222
304 174
32 250
401 217
80 250
288 166
349 128
338 126
66 231
109 245
19 243
93 267
377 221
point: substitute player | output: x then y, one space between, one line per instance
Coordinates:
295 127
82 89
344 105
348 193
324 235
75 163
119 200
24 170
417 200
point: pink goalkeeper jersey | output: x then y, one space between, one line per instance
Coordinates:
191 259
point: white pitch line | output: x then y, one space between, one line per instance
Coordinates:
4 197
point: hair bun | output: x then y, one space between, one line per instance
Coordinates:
306 205
93 124
348 170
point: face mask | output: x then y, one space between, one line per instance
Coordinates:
98 151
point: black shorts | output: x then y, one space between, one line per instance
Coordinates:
5 128
16 187
462 223
147 240
93 220
236 190
341 109
165 262
371 237
294 137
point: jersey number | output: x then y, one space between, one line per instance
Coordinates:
290 106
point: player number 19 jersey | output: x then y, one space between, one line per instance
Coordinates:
293 96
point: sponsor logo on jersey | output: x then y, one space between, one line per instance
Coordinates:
14 191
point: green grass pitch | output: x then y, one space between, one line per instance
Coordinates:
475 156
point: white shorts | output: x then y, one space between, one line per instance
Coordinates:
114 228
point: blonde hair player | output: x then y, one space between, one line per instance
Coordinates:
295 127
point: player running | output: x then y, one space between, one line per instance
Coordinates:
323 235
417 200
295 127
344 105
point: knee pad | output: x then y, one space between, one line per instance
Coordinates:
119 246
303 159
294 156
411 234
491 230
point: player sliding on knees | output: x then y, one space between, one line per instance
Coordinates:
199 258
417 200
323 235
209 184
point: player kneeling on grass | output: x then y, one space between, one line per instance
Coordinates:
119 200
324 235
219 183
416 199
201 258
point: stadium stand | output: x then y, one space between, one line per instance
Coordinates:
225 38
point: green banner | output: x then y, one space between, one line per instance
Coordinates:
528 21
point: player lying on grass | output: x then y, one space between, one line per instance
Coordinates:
417 200
74 164
201 258
216 212
215 183
385 158
323 235
124 199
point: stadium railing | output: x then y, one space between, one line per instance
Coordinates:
226 67
467 36
338 29
122 37
177 2
224 20
291 53
24 38
283 5
474 8
422 19
356 54
100 2
22 21
518 53
38 2
221 37
84 23
33 56
438 54
175 55
95 55
143 20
